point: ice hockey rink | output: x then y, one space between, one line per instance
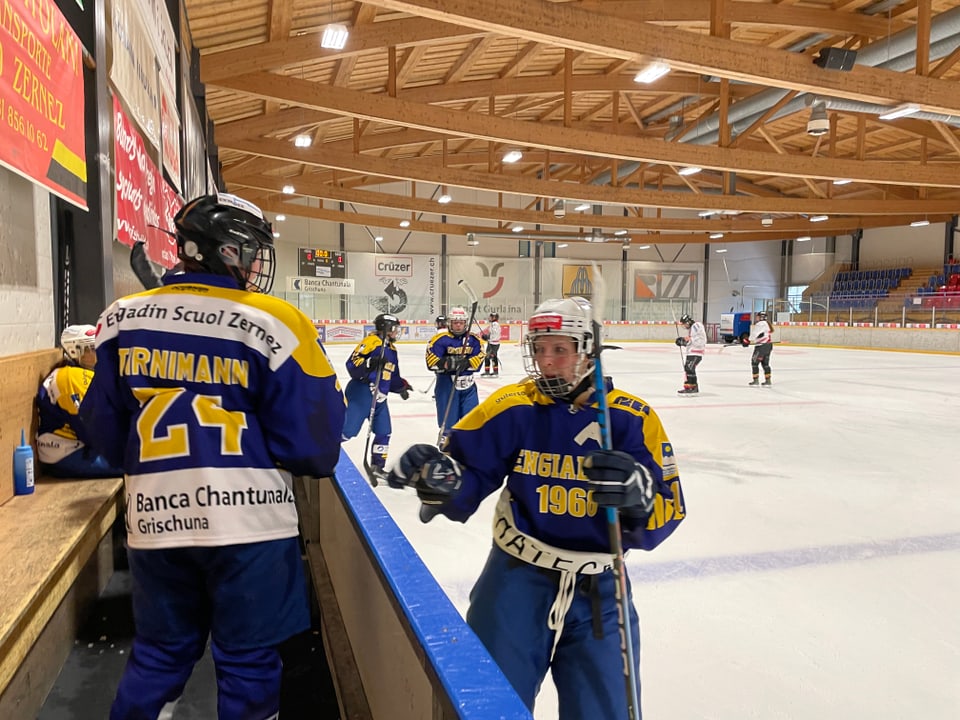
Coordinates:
817 574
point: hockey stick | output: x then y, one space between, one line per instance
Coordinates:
613 516
676 326
375 392
466 340
142 267
427 390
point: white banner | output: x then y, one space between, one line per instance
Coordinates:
407 286
133 70
322 285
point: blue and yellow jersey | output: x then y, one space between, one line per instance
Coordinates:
538 446
371 346
446 343
60 430
203 393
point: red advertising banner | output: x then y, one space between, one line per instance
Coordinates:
41 99
144 201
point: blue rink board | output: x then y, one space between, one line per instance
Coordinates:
475 685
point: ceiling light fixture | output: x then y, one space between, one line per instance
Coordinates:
289 189
517 228
620 233
689 170
842 181
334 36
707 213
722 250
766 221
562 245
404 223
512 156
276 234
302 141
643 247
378 239
582 207
804 238
281 217
652 72
919 223
716 235
819 218
444 199
900 111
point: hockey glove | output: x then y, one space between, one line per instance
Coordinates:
405 391
745 342
681 341
455 363
375 362
617 480
485 336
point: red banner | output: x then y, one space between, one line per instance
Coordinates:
41 98
144 201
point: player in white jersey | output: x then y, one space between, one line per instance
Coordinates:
761 336
493 333
696 344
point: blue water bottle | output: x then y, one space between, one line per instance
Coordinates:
23 467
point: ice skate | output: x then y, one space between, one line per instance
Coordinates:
688 390
767 383
755 381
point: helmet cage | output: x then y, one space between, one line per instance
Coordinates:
564 318
75 339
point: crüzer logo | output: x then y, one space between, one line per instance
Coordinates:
493 272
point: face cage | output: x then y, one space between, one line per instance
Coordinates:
74 350
461 331
262 267
554 387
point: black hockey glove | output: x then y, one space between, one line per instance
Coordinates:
681 341
485 336
745 342
405 391
435 477
455 363
375 362
619 481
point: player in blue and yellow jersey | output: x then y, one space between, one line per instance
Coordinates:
62 442
546 598
211 394
374 364
455 354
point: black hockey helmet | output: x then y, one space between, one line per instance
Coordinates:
762 315
441 322
495 316
685 319
384 324
226 235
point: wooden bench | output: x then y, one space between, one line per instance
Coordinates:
56 549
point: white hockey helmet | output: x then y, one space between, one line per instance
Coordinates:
457 320
75 339
569 317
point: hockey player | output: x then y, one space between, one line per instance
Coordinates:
761 336
546 598
491 360
211 394
455 355
374 367
696 344
62 439
441 322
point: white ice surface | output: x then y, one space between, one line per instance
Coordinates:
817 575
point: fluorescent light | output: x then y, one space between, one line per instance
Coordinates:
722 250
842 182
512 156
900 111
404 223
620 233
804 238
517 228
289 189
707 213
582 207
643 247
653 71
281 217
919 223
689 170
819 218
302 141
562 245
444 199
334 37
716 235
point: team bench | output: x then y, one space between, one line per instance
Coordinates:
56 550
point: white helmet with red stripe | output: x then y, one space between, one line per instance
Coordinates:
569 317
457 320
76 339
